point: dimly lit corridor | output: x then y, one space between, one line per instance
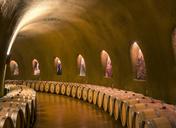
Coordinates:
89 63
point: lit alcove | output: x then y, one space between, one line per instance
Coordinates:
106 63
174 43
36 68
138 62
14 68
58 65
81 65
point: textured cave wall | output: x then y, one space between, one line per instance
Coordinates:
109 25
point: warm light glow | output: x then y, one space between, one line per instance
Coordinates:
34 13
14 68
81 65
48 12
104 56
107 65
35 66
138 62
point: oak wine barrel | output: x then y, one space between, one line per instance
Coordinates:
125 108
68 90
100 99
95 96
63 88
106 101
143 115
42 84
16 114
47 86
33 85
52 87
159 122
85 93
111 105
6 122
37 85
117 108
79 92
28 84
57 88
74 91
90 95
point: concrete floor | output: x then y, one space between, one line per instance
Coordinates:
57 111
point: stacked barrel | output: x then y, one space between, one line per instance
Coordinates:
134 110
18 107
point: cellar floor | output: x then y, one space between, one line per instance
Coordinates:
57 111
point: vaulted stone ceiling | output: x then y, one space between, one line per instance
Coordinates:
66 28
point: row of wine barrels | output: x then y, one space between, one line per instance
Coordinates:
27 110
131 108
138 107
16 116
73 90
21 100
44 86
150 111
22 105
112 107
14 82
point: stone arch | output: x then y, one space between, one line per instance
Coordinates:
81 65
14 68
36 68
138 62
106 63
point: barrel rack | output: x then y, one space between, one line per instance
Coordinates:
134 110
18 107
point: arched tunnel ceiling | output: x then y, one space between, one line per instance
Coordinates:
92 17
48 14
66 28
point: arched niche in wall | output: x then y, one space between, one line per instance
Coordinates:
81 65
58 65
36 68
174 42
106 63
14 68
138 62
